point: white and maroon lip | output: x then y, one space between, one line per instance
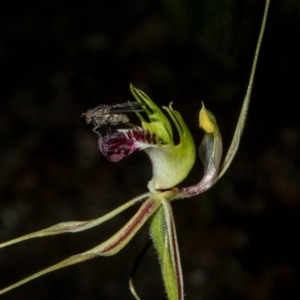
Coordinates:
124 142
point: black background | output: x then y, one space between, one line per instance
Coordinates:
57 59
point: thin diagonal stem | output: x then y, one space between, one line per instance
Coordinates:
243 114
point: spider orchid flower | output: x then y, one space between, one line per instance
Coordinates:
171 164
156 139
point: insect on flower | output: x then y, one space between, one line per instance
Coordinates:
171 163
111 114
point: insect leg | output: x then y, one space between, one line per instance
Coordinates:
108 130
97 132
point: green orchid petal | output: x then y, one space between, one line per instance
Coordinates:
244 110
171 163
76 226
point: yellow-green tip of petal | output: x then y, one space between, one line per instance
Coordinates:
207 121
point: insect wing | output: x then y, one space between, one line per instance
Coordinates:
127 107
102 109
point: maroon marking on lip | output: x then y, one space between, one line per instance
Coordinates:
121 144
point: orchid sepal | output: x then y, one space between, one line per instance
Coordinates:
109 247
163 235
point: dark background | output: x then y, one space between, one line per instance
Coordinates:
57 59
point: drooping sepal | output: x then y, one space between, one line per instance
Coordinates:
163 234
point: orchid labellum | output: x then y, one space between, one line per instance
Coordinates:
171 164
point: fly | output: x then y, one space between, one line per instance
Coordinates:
111 114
